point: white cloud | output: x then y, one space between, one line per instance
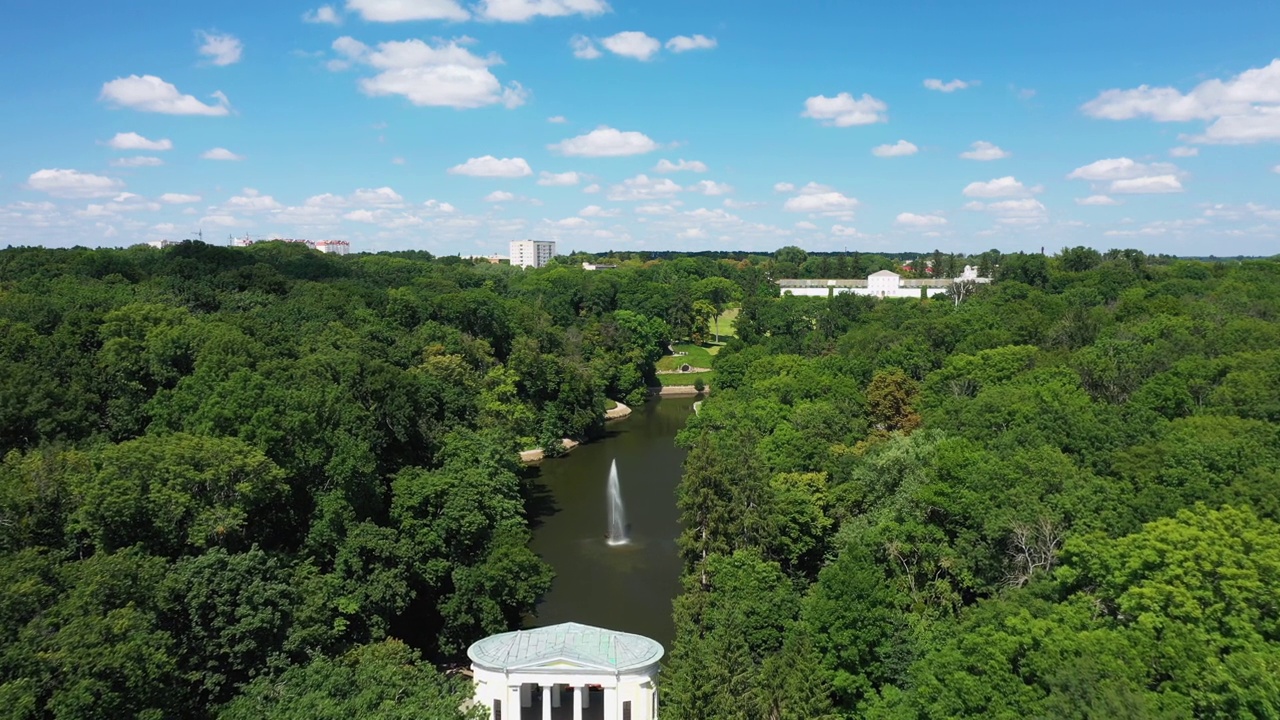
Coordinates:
1027 211
524 10
1244 108
221 220
134 141
666 166
597 211
710 187
684 43
898 149
73 184
363 216
946 87
499 196
1276 169
139 161
606 142
591 189
222 50
325 14
378 197
179 198
1148 185
1121 168
442 75
220 154
844 231
817 198
784 187
149 93
658 209
983 150
741 205
584 48
692 234
1007 186
844 111
403 10
1097 200
642 187
250 200
632 44
805 225
437 206
559 179
1184 151
492 167
557 119
569 222
920 221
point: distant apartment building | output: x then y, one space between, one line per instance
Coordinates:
596 266
333 247
161 244
532 253
883 284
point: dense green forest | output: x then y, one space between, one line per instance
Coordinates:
264 482
1057 499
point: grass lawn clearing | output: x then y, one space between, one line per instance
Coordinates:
686 378
727 323
697 356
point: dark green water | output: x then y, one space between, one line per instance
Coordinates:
627 587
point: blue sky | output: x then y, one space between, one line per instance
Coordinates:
457 125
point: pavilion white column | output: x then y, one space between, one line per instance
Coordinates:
579 698
611 703
511 703
546 701
555 695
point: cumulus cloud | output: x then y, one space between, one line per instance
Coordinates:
557 119
844 110
1121 168
1148 185
1184 151
405 10
898 149
377 197
642 187
220 154
597 211
632 44
499 196
325 14
1027 211
222 50
179 198
784 187
138 161
148 93
1241 109
946 87
492 167
445 74
685 43
559 179
591 189
711 188
250 200
1007 186
681 165
584 48
983 150
691 234
805 225
920 221
1097 200
73 184
525 10
817 198
605 141
134 141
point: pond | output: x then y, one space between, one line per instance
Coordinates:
620 587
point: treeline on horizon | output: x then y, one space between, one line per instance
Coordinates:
265 482
1059 498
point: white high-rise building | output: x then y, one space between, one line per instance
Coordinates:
532 253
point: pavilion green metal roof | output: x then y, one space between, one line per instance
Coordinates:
564 646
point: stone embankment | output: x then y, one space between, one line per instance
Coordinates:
617 413
678 390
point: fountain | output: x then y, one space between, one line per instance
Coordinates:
617 534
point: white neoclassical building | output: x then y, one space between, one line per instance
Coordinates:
883 284
567 672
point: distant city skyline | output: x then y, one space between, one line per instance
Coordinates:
458 126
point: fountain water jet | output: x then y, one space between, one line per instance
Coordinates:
617 513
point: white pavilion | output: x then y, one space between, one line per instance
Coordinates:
566 672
